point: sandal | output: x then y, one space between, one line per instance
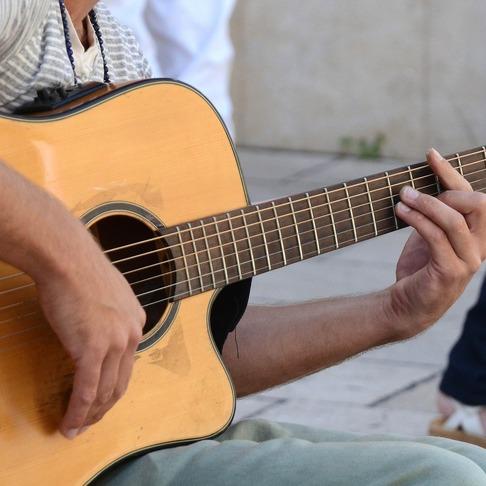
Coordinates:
464 425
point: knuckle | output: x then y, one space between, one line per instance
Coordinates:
135 336
105 397
142 316
96 418
480 201
419 217
95 347
425 201
87 397
437 236
458 224
119 342
461 271
475 264
444 196
118 393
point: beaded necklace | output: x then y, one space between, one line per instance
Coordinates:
69 46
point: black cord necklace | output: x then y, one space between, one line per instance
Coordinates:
69 46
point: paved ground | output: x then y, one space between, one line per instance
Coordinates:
390 389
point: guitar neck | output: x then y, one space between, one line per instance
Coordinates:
219 250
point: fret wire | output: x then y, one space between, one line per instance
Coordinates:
177 295
196 254
297 232
296 259
324 216
481 189
437 184
234 244
339 200
186 266
170 234
320 217
391 197
184 294
371 206
411 177
264 236
459 162
210 259
303 210
350 211
336 240
277 219
420 166
318 246
221 248
250 246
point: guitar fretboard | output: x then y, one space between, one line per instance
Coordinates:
219 250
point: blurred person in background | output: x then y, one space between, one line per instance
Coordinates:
462 391
185 40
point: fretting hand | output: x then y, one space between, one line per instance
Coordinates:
443 253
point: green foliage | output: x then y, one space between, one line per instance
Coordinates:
363 148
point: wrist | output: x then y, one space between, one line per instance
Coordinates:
64 257
402 321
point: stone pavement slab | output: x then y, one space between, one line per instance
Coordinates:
360 381
346 418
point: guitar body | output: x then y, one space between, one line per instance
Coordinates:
154 152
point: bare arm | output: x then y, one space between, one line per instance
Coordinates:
278 344
40 237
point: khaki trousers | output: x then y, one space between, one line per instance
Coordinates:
257 452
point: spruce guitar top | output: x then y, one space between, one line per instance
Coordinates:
150 169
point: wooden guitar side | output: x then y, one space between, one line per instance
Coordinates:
159 145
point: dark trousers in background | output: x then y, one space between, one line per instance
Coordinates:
465 375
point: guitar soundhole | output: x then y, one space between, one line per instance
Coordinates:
140 254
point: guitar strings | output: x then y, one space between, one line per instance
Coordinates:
482 189
456 157
327 204
409 170
280 252
250 274
207 251
232 243
228 268
271 208
173 260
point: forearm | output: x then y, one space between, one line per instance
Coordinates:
280 344
38 235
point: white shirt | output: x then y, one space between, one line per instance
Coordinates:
187 40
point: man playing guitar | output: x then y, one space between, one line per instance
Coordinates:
276 344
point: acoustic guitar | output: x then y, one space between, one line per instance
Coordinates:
151 170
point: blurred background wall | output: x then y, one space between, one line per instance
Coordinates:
321 75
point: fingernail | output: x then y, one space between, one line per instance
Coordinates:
403 207
433 152
82 430
410 193
71 433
